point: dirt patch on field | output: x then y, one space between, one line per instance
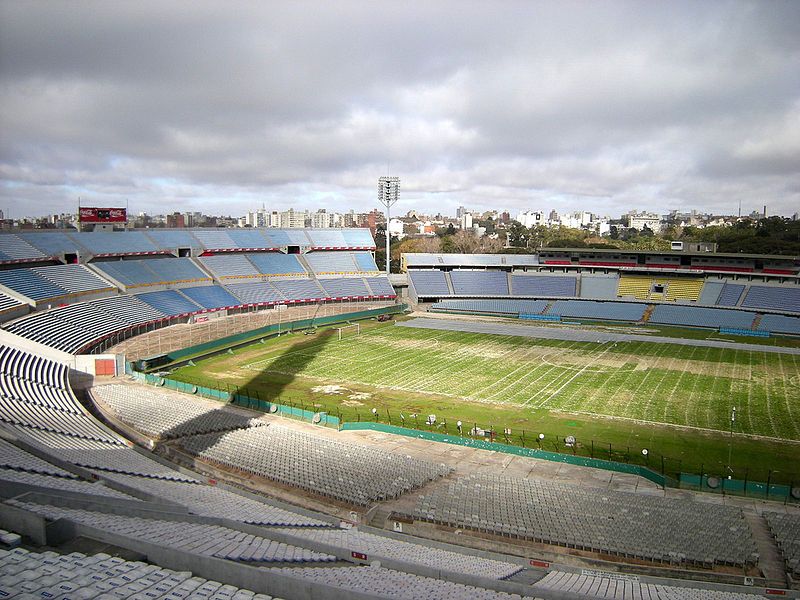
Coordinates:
351 403
329 389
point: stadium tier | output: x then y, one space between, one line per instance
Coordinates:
544 286
145 507
773 298
429 283
324 263
616 523
786 530
210 296
505 307
695 316
779 324
53 282
342 287
276 263
587 309
355 474
479 283
659 288
599 287
730 294
142 272
151 413
45 245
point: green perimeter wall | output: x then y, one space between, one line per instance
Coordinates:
582 461
237 399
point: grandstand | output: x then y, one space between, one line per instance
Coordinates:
65 475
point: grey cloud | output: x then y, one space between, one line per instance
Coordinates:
514 105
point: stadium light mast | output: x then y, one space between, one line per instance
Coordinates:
730 440
388 195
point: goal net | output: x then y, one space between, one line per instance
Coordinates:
348 330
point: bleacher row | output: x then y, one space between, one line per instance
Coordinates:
63 281
91 505
465 283
41 245
637 526
664 314
76 326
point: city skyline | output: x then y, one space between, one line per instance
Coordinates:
220 108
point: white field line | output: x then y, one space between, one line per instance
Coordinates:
690 401
566 383
768 397
786 395
749 379
710 402
670 369
540 374
437 363
519 353
692 427
526 366
598 392
587 399
635 392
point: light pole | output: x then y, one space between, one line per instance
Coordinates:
388 195
730 440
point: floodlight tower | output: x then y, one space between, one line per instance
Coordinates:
388 195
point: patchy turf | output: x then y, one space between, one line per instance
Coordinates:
626 394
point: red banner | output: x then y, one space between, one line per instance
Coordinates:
103 215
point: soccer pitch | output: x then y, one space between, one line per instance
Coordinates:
628 394
660 383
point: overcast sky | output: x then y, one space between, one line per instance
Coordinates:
222 107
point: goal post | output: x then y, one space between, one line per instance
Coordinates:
344 330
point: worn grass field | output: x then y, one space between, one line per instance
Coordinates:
625 393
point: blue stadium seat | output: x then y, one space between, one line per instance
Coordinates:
429 283
14 247
276 263
28 283
261 292
210 296
587 309
695 316
127 242
380 286
507 307
479 283
365 262
779 324
784 299
327 238
172 239
542 285
331 262
249 238
730 294
287 237
299 289
229 265
169 302
342 287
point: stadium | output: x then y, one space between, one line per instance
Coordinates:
253 413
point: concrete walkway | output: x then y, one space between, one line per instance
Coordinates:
561 332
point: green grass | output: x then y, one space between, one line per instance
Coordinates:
626 394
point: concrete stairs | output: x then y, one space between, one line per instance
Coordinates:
769 561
